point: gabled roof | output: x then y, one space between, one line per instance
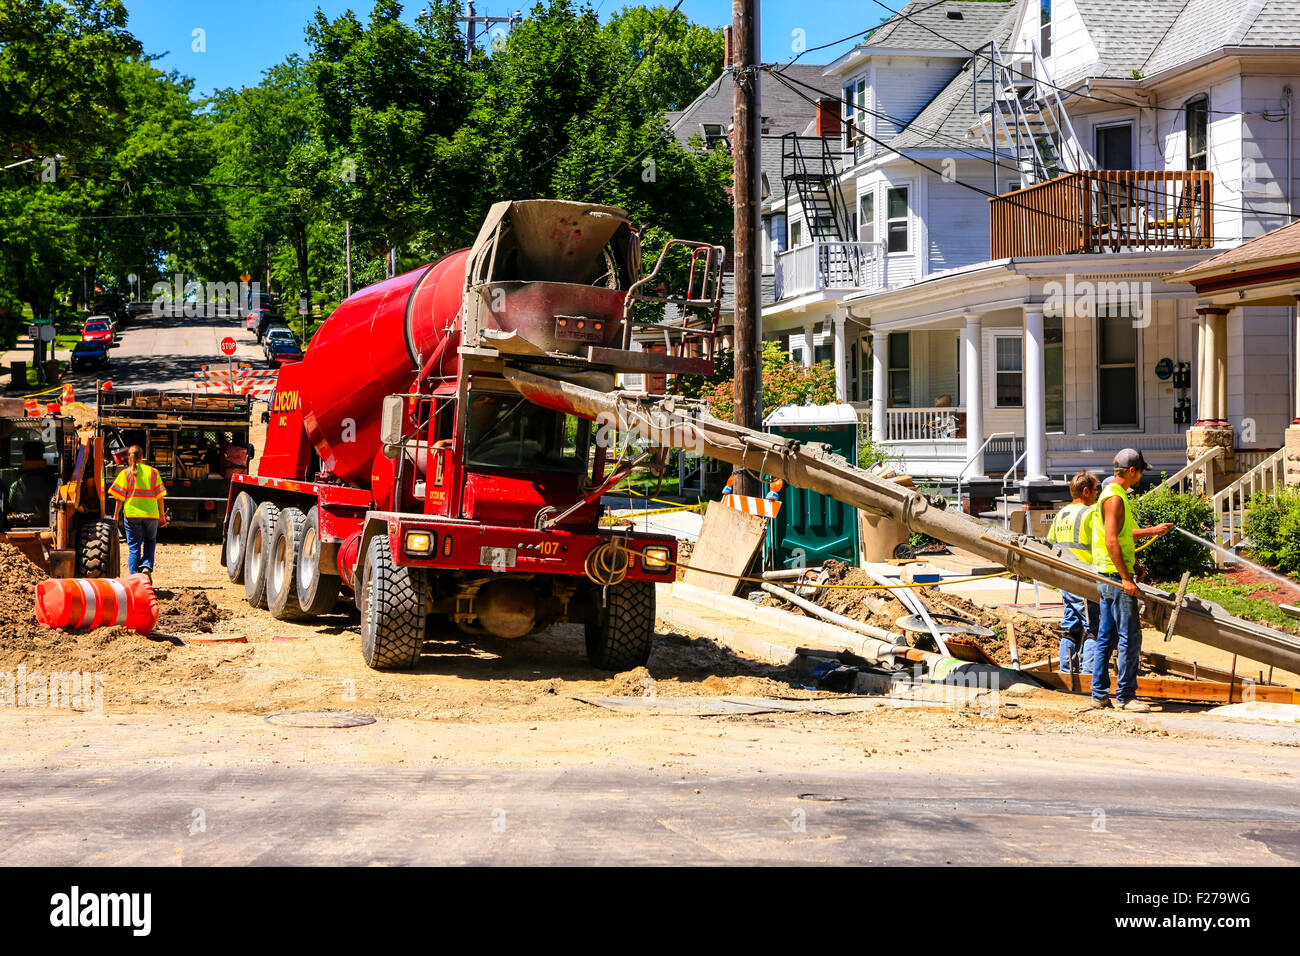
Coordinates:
1151 36
786 109
965 23
946 120
1279 246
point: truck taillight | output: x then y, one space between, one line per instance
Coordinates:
655 559
446 546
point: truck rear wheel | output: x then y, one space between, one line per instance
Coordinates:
282 564
317 591
241 516
99 551
257 547
622 632
392 609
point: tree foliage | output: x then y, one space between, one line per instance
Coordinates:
784 383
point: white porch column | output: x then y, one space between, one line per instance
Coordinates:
1202 368
1295 369
1035 397
841 366
809 344
1221 365
879 352
1213 407
972 387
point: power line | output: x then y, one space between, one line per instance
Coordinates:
846 39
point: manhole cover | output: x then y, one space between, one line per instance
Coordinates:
822 797
319 718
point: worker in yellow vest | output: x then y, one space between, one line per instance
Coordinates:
1120 629
139 493
1072 529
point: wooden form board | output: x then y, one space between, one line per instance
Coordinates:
728 541
1172 688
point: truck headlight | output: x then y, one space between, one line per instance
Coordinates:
419 542
656 558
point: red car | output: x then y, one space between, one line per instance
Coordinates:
97 329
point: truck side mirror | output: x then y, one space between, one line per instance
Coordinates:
391 419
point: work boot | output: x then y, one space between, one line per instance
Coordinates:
1103 704
1134 707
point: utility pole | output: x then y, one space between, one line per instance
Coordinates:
472 22
747 194
347 251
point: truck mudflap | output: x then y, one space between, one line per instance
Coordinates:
602 557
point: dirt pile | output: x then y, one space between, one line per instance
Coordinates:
187 611
22 640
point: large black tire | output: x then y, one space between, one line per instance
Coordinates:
317 592
392 609
282 564
241 516
257 549
620 636
99 551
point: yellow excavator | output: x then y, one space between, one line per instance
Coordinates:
52 494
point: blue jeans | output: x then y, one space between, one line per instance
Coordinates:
1079 620
1121 631
141 538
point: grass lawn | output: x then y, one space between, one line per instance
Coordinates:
1236 600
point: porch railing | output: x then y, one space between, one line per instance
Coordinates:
1197 477
824 266
1230 503
1112 210
924 424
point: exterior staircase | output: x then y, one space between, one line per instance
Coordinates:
1021 114
1230 503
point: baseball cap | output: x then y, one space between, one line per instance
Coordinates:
1130 458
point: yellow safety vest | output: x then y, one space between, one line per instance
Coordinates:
142 491
1100 556
1073 528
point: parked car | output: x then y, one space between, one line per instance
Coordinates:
98 328
282 352
276 333
113 305
257 299
89 355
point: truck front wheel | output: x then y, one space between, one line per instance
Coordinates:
620 635
392 609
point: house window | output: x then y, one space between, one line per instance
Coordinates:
715 134
855 101
867 217
897 224
1008 372
796 233
1054 371
1045 27
1117 364
900 370
1197 112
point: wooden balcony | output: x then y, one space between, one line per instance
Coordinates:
1111 210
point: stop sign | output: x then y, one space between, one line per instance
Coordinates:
228 346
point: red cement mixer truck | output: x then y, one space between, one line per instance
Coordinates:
402 466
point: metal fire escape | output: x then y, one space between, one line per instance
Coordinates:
1019 113
809 168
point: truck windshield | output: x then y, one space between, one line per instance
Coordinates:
506 431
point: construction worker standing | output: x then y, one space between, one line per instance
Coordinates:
1113 535
1073 529
139 492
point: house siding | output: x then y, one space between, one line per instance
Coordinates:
957 221
1259 370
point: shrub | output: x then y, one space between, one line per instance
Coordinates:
1273 527
870 453
1168 557
784 383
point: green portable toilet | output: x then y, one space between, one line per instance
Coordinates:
812 527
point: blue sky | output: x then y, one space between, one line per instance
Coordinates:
245 37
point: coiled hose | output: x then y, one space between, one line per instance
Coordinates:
608 564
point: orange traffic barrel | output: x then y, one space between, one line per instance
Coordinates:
32 407
69 395
83 604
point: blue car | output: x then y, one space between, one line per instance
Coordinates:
89 355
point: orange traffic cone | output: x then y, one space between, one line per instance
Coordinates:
83 604
69 394
32 407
